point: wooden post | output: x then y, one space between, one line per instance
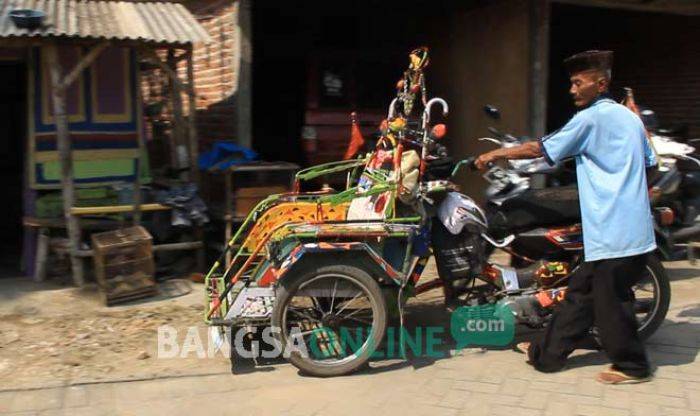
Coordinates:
42 254
58 91
151 56
177 86
136 217
193 141
192 119
59 85
243 72
176 102
539 66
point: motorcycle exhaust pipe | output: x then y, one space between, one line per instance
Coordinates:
685 234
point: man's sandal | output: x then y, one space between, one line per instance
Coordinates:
523 347
611 376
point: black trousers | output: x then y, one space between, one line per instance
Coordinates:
600 294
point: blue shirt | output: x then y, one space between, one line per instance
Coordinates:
611 150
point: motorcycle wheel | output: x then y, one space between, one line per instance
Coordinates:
330 318
653 296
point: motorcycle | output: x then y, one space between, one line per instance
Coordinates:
314 267
674 190
675 194
540 229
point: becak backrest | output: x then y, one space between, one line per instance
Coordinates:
371 207
293 212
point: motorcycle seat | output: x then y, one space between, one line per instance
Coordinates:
537 208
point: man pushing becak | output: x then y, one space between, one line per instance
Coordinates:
609 144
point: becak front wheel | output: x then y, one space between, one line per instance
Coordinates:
329 318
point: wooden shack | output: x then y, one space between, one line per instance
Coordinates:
73 114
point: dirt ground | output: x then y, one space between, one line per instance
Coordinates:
56 336
52 335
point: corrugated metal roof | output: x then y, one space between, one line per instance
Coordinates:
165 23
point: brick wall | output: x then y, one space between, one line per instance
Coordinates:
215 79
215 70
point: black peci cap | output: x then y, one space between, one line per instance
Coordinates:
589 60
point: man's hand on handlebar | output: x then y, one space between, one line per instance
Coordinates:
529 150
485 160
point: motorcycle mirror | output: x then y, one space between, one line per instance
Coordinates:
438 131
511 138
495 132
492 112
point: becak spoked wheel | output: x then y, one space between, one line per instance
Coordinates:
329 318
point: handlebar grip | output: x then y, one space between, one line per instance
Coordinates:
471 163
488 165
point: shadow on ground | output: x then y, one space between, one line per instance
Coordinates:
426 337
674 344
675 274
